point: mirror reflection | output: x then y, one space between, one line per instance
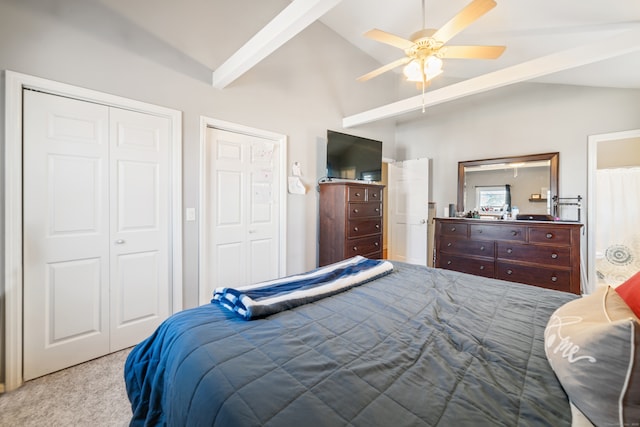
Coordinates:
508 186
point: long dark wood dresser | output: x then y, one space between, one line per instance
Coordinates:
540 253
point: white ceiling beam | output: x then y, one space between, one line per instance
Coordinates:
617 45
293 19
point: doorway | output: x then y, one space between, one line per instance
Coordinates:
613 201
408 210
242 206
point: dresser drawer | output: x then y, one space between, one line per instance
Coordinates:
364 227
454 245
357 194
374 194
559 256
551 235
453 229
363 246
478 267
363 210
549 278
517 233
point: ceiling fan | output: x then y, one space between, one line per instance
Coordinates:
427 47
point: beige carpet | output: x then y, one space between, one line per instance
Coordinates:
91 394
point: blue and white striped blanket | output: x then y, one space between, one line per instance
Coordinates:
266 298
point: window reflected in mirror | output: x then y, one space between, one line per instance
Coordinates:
494 200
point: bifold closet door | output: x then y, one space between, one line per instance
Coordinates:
95 225
139 240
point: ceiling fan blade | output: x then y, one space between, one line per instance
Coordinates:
463 19
384 69
388 38
471 52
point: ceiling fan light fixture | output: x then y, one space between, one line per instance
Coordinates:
432 68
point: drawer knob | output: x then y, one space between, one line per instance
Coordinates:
355 248
377 244
549 235
453 229
449 244
482 267
355 228
355 211
377 209
514 233
509 272
449 262
509 250
378 226
357 194
482 248
554 278
374 195
554 256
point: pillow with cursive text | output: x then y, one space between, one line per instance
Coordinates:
593 346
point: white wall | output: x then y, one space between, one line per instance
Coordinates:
301 90
527 118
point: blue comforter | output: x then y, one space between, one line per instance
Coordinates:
419 346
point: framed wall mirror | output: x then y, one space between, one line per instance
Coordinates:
524 184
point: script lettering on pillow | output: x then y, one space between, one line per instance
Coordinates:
556 342
593 346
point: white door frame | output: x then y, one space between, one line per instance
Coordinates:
15 83
278 139
592 168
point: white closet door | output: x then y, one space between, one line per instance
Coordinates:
96 230
139 177
242 191
66 232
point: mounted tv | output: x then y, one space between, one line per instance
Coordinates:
353 157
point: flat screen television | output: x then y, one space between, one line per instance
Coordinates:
353 157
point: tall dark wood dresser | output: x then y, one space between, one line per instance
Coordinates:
350 221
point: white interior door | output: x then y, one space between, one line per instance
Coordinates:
243 204
408 210
95 230
139 240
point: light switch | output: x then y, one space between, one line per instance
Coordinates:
191 214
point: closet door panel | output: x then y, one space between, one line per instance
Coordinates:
139 241
65 232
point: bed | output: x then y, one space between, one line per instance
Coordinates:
419 346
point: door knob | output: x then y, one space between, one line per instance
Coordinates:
423 221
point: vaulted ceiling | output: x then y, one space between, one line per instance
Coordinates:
594 43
